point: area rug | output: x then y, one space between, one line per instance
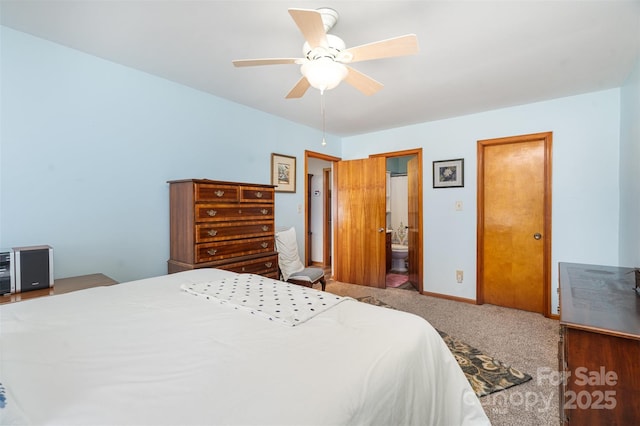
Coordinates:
485 373
396 280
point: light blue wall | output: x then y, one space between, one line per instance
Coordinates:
630 170
87 146
585 182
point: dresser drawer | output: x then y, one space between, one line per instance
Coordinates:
222 231
261 266
256 194
217 192
226 212
208 252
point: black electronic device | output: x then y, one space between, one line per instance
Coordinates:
33 268
7 282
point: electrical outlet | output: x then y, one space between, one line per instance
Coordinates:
459 276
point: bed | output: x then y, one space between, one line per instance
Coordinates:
199 348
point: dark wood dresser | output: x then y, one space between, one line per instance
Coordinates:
225 225
599 349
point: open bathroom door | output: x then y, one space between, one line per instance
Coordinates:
360 222
414 189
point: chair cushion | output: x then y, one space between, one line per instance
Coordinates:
308 274
288 257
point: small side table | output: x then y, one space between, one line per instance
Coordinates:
61 286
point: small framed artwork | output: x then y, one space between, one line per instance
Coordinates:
448 173
283 172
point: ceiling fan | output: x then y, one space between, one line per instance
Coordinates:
325 60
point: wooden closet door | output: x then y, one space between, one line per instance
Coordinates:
514 222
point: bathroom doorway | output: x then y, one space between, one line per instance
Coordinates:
414 232
404 219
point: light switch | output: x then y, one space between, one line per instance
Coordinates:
458 205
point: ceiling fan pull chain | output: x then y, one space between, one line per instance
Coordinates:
322 111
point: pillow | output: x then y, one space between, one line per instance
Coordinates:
288 258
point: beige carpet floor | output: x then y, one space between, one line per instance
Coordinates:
525 340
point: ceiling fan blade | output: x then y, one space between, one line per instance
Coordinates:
266 61
362 82
311 26
397 46
299 89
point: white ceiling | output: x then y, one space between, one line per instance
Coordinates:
474 55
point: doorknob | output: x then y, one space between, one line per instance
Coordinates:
537 235
380 229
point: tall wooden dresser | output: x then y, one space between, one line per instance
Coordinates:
225 225
599 345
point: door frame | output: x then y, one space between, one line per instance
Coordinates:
327 179
332 159
307 222
547 138
418 153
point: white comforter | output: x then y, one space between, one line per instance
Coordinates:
148 353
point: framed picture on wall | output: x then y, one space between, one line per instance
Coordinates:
283 172
448 173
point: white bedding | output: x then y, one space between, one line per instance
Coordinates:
148 353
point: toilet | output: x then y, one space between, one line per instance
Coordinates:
399 253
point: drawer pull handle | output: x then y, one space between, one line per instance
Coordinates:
212 251
264 245
219 193
264 211
212 232
212 212
268 264
243 269
239 211
259 194
265 228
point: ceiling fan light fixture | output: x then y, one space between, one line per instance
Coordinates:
324 60
324 73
